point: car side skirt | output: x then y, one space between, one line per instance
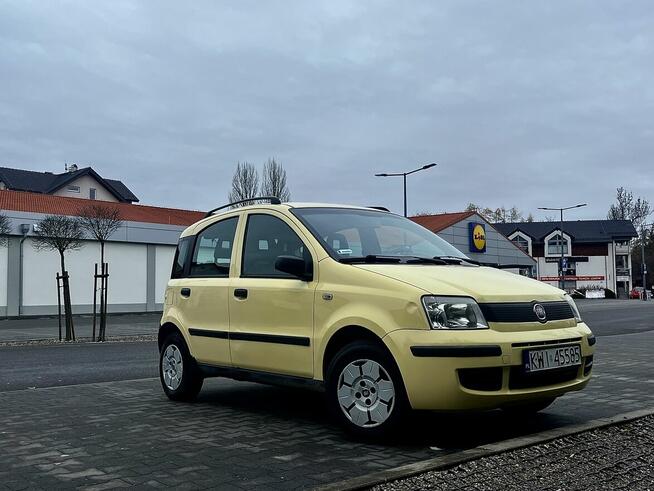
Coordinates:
261 377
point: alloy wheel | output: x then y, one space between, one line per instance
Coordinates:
366 393
172 367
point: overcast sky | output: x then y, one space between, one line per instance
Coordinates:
520 103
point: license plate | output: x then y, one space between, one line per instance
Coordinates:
550 358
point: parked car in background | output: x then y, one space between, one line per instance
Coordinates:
375 310
637 293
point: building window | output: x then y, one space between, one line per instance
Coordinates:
92 192
555 243
522 243
73 189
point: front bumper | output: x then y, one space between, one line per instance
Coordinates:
459 370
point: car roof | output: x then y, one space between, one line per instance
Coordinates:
267 206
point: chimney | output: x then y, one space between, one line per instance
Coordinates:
72 168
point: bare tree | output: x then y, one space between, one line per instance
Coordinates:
5 229
101 222
245 183
273 182
62 234
627 208
497 215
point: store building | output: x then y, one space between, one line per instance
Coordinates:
479 240
597 253
139 254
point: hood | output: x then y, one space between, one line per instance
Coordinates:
481 283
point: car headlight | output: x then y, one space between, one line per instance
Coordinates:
453 313
573 306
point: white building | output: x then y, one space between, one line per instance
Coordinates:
139 254
597 252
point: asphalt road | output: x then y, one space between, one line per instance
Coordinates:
613 317
54 365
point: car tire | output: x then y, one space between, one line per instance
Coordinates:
180 376
530 407
365 390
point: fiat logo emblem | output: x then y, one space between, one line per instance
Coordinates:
539 310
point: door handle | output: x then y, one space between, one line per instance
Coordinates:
241 293
185 292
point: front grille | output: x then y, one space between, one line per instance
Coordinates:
520 379
544 343
524 311
487 379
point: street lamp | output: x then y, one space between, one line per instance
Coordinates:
561 271
404 174
643 266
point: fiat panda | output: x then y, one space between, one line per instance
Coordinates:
378 312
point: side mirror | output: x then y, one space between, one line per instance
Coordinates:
295 266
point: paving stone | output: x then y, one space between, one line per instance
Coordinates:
242 435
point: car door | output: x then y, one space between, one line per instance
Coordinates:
205 296
271 312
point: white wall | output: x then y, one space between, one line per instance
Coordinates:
85 184
163 267
127 273
3 276
40 269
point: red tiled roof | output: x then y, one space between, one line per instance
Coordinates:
436 223
61 205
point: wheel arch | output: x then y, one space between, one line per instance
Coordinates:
344 336
165 330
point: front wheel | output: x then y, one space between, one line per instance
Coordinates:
365 390
180 377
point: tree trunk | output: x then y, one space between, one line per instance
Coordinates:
68 311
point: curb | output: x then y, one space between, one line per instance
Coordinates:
457 458
131 338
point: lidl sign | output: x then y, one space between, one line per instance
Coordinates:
477 233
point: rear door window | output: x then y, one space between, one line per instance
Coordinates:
212 254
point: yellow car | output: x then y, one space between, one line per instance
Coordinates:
380 313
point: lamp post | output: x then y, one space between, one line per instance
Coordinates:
404 174
643 266
561 271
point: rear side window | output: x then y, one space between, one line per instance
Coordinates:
212 254
181 255
266 238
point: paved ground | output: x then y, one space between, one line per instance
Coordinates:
47 327
618 457
99 417
243 435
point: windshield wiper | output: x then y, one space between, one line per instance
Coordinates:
457 260
379 259
371 258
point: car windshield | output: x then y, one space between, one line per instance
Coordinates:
351 233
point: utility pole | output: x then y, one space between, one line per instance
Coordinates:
643 266
561 261
404 174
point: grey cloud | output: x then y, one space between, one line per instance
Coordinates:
519 102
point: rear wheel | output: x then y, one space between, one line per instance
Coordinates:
365 390
180 376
